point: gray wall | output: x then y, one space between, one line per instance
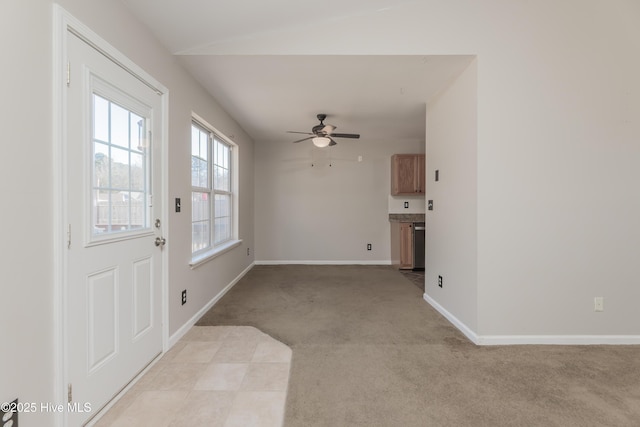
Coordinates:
451 234
324 213
26 170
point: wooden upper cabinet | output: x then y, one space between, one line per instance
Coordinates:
407 174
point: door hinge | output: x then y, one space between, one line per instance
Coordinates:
69 393
68 73
68 236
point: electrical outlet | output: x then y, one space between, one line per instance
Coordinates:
178 204
598 304
248 251
406 205
440 281
184 297
437 175
9 414
368 246
430 205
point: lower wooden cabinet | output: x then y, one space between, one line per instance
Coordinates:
406 245
402 245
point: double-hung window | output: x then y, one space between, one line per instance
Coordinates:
212 196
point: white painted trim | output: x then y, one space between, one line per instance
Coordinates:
453 319
59 52
559 339
533 339
63 22
214 252
189 323
322 262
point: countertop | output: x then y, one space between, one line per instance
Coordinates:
415 217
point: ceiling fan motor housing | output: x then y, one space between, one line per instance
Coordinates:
324 132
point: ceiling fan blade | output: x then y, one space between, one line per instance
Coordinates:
345 135
304 133
332 143
304 139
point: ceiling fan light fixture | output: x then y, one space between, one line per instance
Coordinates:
328 129
321 141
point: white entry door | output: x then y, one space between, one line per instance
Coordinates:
114 257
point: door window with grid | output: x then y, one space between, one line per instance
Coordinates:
120 172
211 190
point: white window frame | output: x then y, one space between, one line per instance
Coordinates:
213 250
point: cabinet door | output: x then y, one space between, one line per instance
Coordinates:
406 245
403 174
420 173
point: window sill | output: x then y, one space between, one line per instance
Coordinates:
204 257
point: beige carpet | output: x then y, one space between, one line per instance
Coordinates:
369 351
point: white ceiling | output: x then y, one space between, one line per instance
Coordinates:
380 97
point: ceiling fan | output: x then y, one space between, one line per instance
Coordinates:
322 135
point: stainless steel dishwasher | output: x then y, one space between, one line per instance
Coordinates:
418 246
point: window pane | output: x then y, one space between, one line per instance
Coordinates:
102 212
225 156
195 171
222 181
195 138
222 172
100 118
119 168
119 210
200 207
200 233
204 145
203 174
137 172
119 126
101 166
138 210
222 230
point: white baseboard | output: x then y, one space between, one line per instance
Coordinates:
453 319
532 339
323 262
559 339
185 328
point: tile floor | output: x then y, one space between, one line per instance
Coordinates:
214 376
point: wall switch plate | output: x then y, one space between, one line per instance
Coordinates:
248 251
440 281
368 246
598 304
178 204
184 297
430 205
406 205
437 175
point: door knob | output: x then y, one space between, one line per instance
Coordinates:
160 241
